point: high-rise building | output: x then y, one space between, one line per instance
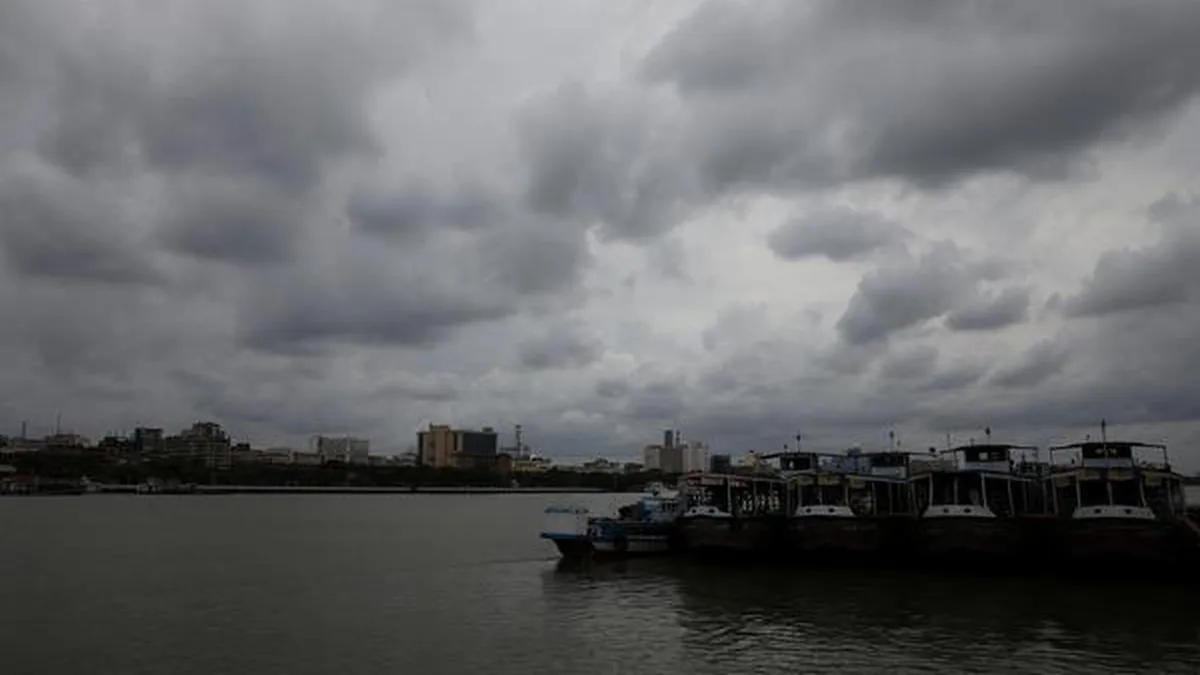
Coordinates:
343 449
204 443
652 457
443 447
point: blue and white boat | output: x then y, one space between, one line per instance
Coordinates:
646 527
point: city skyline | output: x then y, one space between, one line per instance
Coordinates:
602 219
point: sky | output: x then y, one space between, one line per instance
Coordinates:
600 219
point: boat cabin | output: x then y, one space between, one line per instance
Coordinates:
734 495
981 481
1115 479
853 484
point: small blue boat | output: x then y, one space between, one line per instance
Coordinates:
646 527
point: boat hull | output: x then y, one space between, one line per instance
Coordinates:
819 537
983 540
614 539
1119 542
727 535
574 547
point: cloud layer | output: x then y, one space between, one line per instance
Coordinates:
742 219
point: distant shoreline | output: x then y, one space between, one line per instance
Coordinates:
321 489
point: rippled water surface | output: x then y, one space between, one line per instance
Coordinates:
461 584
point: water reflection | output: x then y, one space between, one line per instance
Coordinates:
830 620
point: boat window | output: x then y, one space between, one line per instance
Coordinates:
1093 493
1126 493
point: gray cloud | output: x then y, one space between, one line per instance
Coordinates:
411 209
234 221
916 362
1005 308
905 295
1152 276
882 88
838 234
562 346
367 217
56 228
1045 359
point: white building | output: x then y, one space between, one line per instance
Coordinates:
652 457
681 457
345 449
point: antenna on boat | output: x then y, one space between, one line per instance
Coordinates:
892 439
1104 432
987 432
797 441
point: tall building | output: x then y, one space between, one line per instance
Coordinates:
343 449
148 443
652 457
442 447
204 443
675 455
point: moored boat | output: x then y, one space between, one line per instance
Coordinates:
731 513
1119 502
646 527
846 505
972 506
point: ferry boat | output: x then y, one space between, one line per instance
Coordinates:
732 513
1119 501
972 506
844 502
646 527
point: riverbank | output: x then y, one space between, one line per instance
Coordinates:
96 489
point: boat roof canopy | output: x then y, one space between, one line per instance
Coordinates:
1095 445
989 446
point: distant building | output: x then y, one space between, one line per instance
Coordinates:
306 459
148 443
442 447
652 457
720 464
531 464
204 443
675 455
602 465
343 449
116 447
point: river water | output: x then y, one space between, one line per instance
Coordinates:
418 584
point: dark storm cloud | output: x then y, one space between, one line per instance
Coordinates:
912 363
796 96
924 91
414 208
593 159
657 402
531 255
561 346
54 227
240 90
839 234
358 306
1005 308
900 296
611 388
1043 360
1157 275
233 221
956 378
